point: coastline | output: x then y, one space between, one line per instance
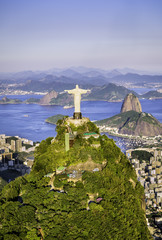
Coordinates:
47 121
67 107
129 136
21 93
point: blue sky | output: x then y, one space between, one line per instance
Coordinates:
108 34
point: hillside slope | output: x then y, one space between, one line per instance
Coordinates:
47 98
134 123
86 193
110 92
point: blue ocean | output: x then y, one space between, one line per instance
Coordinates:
28 120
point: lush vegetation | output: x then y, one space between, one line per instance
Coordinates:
110 92
142 155
119 119
152 94
2 183
63 99
150 119
6 100
133 123
126 118
22 156
55 118
32 100
53 206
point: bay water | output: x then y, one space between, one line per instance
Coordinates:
28 120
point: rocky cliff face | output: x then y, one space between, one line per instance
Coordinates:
47 98
130 103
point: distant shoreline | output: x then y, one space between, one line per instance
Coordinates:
113 101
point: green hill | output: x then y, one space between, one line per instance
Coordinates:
110 92
87 192
32 100
6 100
134 123
54 119
152 94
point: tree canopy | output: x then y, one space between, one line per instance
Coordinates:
49 205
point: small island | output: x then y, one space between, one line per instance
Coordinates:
6 100
54 119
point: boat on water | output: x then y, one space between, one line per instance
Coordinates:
26 115
68 106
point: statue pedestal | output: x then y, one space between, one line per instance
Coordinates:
77 122
77 115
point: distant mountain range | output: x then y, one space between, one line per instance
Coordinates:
109 92
60 79
45 86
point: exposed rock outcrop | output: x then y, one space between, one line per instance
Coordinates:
47 98
63 99
130 103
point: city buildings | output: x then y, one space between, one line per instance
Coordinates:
10 148
149 173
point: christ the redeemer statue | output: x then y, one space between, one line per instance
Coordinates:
77 98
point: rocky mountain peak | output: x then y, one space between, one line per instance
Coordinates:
131 102
47 98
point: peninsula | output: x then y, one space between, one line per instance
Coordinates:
131 120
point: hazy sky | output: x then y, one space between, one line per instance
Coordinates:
44 34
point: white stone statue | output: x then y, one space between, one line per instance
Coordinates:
77 97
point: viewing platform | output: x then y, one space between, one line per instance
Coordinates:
77 122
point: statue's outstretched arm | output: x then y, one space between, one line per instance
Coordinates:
70 91
84 91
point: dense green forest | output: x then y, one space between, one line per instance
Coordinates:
142 155
101 203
